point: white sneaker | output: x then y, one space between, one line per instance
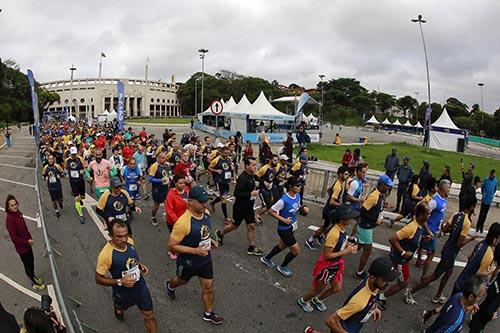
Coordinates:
409 297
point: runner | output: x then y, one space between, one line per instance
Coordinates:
175 205
245 193
404 243
280 179
329 267
141 160
354 194
458 226
76 167
336 192
285 211
133 177
186 168
115 204
299 171
116 160
361 304
266 175
159 177
190 239
100 170
221 168
412 197
119 259
371 217
53 173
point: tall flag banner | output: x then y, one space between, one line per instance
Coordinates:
66 113
428 116
34 105
121 97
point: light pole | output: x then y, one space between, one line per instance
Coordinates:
321 77
481 84
72 105
420 21
202 57
196 96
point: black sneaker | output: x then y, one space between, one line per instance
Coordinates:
169 291
58 214
382 304
219 237
254 251
361 276
213 318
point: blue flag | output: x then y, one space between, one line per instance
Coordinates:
121 97
34 104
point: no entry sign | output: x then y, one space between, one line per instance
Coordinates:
216 107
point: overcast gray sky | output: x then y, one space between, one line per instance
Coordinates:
284 40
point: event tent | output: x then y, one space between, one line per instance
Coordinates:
386 122
407 124
261 109
418 125
112 115
373 121
396 123
444 134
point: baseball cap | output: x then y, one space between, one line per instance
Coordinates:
73 150
384 179
220 145
116 182
283 157
345 211
198 193
70 143
293 181
383 268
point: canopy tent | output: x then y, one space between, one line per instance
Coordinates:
305 99
105 113
112 115
261 109
396 123
71 118
418 125
407 124
373 120
286 99
444 134
386 122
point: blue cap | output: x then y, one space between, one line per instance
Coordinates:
303 157
384 179
199 194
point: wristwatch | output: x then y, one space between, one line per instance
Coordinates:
119 282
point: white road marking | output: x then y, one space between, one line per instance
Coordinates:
55 303
387 249
95 217
16 166
275 285
26 217
17 183
22 289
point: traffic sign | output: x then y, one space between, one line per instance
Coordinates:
216 107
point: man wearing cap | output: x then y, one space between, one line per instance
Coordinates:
116 203
371 217
52 173
329 267
75 167
404 174
159 177
361 304
191 240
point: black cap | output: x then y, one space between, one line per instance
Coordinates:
116 182
293 181
199 194
345 211
383 268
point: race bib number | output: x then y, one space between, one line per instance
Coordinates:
294 226
122 217
52 179
206 244
132 187
74 174
227 174
134 273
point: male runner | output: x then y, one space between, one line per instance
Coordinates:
75 167
52 173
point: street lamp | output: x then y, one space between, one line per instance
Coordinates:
481 84
420 21
72 105
196 95
321 77
202 57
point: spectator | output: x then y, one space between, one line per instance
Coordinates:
488 190
347 158
424 174
467 187
8 139
392 163
338 141
288 145
248 152
404 174
356 158
265 152
446 174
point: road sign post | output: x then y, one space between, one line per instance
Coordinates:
216 107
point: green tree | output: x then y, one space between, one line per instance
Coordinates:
363 103
383 101
456 108
408 105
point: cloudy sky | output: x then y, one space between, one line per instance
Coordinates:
286 40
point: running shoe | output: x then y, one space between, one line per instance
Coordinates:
363 275
382 303
312 244
154 222
409 297
391 222
219 237
82 220
426 315
319 304
439 300
38 280
213 318
306 306
169 291
285 271
146 197
39 286
58 214
309 329
255 251
268 262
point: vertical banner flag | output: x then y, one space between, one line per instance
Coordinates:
428 117
121 96
34 105
65 113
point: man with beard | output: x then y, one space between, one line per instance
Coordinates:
100 171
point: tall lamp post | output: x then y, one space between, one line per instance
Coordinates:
481 84
202 57
321 77
72 105
420 21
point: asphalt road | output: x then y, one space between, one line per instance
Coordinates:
250 296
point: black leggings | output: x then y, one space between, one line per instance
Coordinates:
29 264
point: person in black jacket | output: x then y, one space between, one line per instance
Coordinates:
8 322
245 193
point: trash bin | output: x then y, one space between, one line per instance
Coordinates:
461 145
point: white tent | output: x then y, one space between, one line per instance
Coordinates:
105 113
261 109
397 123
238 117
444 134
418 125
373 121
407 123
71 118
112 115
386 122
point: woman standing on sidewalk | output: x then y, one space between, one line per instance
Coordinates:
21 237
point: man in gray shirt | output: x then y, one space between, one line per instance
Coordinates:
392 163
404 174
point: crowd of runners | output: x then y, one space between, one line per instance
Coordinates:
189 176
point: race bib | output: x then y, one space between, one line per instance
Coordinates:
122 217
134 273
227 174
132 187
74 174
294 226
52 179
206 244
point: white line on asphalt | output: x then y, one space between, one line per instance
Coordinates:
22 289
16 166
2 146
97 220
14 182
21 157
275 285
55 303
387 249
